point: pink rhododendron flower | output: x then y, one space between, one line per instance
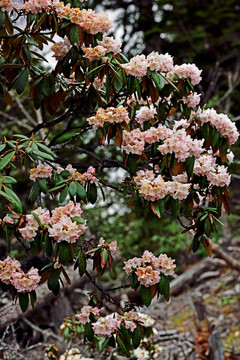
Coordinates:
160 62
149 268
147 276
105 326
7 268
111 115
25 282
222 123
7 220
86 311
137 66
41 171
133 142
110 44
192 99
61 49
95 53
188 71
145 113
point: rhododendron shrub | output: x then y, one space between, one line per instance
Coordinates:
174 153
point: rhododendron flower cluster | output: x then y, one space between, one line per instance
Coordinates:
11 273
191 71
182 145
85 313
222 123
61 225
29 231
216 175
148 268
106 326
89 175
175 141
137 66
7 220
112 246
61 49
154 188
111 115
160 62
192 99
7 5
106 46
89 21
133 142
145 113
41 171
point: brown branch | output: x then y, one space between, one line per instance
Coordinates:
231 261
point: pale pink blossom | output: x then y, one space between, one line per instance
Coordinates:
25 282
95 53
137 66
106 326
110 44
188 71
160 62
61 49
222 123
8 220
192 99
7 268
145 113
133 141
147 276
41 171
86 311
111 115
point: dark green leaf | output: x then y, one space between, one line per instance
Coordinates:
136 337
189 163
82 264
23 301
14 199
158 80
132 163
43 185
146 295
42 155
21 81
63 252
113 267
126 336
121 344
92 193
53 278
33 297
73 34
164 286
65 173
195 243
48 245
63 195
175 207
8 180
72 188
32 197
81 192
6 159
2 18
89 333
